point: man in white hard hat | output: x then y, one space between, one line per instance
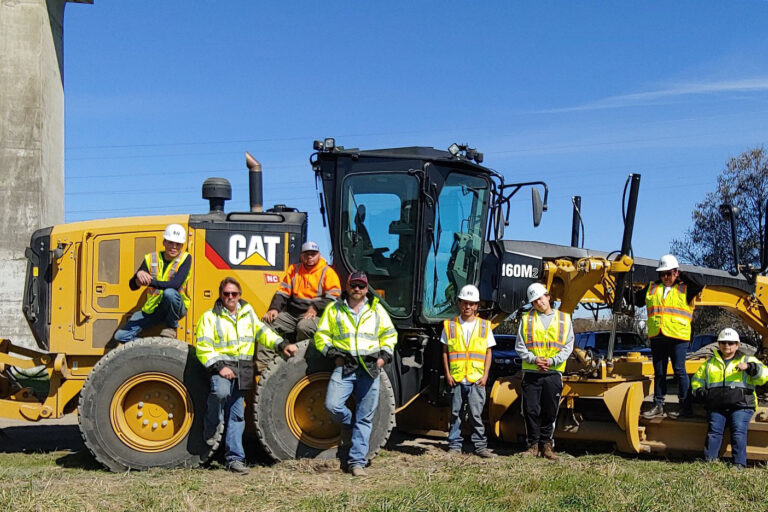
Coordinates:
544 342
467 341
165 275
669 304
303 294
726 384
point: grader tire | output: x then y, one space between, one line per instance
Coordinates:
142 407
289 409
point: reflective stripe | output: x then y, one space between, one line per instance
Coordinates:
320 283
545 345
669 310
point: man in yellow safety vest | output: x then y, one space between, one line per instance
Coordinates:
669 305
467 341
165 275
544 342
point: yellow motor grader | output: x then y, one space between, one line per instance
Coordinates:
420 222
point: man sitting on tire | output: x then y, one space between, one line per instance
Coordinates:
165 274
226 336
304 292
359 336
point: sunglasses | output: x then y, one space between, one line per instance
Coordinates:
724 342
231 294
358 286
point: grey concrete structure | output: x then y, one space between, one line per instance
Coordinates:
31 141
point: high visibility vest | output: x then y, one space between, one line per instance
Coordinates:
466 359
303 286
670 317
372 333
155 264
219 337
543 342
715 373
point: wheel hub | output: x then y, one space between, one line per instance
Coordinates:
151 412
306 414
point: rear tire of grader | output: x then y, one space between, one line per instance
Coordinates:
289 409
142 406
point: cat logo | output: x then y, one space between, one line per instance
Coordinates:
257 251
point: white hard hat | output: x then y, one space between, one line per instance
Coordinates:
728 334
535 291
667 262
175 233
470 293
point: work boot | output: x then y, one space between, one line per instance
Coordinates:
547 452
454 451
682 413
358 471
239 467
532 451
485 453
657 411
168 332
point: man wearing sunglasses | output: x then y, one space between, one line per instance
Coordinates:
226 336
669 304
358 335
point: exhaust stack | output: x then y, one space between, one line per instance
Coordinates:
254 183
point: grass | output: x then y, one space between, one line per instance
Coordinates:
409 477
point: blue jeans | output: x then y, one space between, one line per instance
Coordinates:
226 404
662 350
366 392
474 397
168 312
739 422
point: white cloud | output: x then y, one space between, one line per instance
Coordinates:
669 93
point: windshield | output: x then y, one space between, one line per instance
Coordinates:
455 252
378 234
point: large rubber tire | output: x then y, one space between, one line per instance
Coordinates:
142 406
289 409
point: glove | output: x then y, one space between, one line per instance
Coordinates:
699 393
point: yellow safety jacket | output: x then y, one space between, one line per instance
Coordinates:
670 317
545 342
155 263
373 332
727 386
466 359
220 338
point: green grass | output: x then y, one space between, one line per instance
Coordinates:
396 481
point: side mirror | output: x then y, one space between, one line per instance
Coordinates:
498 221
538 206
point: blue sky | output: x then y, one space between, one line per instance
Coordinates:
161 95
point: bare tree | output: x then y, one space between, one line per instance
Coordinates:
744 184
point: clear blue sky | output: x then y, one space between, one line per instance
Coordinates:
161 95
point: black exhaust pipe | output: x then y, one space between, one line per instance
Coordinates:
254 183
